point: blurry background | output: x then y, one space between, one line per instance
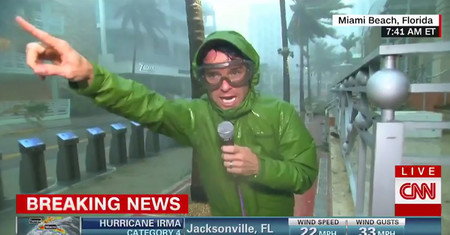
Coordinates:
148 41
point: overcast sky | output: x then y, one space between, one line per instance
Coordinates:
233 14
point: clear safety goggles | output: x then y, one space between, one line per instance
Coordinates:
237 73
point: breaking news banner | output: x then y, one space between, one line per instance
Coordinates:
417 190
395 25
102 204
414 183
227 225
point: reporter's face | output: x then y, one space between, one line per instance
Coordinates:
224 94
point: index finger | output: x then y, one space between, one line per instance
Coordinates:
37 33
229 149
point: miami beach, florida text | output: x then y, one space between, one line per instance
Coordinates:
386 20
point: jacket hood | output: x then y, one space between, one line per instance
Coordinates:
237 40
229 37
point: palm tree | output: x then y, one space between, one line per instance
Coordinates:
348 42
323 59
141 13
196 35
311 19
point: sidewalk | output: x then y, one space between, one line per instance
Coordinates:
304 204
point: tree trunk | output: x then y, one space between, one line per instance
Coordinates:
196 35
301 87
308 75
285 53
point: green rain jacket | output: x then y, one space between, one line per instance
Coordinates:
271 128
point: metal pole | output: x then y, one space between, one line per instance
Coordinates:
389 62
388 152
424 101
285 53
101 13
387 115
361 181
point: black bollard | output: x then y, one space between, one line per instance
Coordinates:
95 151
152 143
137 149
67 165
118 147
32 173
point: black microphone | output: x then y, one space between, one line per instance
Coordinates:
226 132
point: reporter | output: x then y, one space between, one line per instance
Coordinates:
274 155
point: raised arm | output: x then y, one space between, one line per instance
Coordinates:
135 101
119 95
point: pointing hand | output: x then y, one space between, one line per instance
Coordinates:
65 61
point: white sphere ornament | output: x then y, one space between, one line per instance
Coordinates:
388 88
351 81
349 127
345 147
362 122
361 78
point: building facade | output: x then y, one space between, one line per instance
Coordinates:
420 68
59 18
161 53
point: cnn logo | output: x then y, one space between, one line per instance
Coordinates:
418 191
411 191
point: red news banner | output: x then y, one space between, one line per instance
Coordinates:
102 204
417 190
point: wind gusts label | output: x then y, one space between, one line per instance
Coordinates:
417 190
395 25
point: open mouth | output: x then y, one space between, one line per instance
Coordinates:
228 100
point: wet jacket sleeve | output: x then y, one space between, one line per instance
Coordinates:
298 169
136 102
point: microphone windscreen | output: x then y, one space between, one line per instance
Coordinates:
226 130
